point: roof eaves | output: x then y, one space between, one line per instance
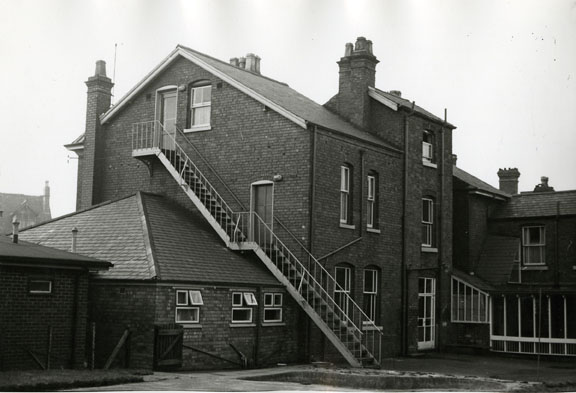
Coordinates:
140 85
380 143
372 92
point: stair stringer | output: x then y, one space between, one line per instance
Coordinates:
197 202
350 358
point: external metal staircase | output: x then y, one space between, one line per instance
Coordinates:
353 334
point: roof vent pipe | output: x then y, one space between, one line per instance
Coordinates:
74 238
15 225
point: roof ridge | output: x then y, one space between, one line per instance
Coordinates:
153 266
79 211
230 65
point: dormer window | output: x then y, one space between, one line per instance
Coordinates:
428 147
200 106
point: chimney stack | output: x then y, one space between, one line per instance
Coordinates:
15 225
250 63
543 186
46 198
74 238
98 101
509 180
357 74
234 61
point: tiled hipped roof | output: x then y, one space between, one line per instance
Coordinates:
147 237
538 204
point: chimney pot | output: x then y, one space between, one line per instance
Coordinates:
234 61
252 62
348 50
242 62
509 180
454 159
100 68
543 186
15 225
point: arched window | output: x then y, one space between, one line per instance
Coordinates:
200 100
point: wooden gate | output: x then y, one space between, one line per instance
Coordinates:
168 346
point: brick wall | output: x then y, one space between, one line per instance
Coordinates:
117 306
27 318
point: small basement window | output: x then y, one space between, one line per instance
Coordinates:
40 286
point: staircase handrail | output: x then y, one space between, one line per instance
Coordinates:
188 161
365 318
183 135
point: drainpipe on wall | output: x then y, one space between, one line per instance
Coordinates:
362 163
311 227
15 224
403 273
440 223
556 246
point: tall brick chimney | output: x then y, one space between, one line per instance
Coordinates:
357 73
98 102
509 180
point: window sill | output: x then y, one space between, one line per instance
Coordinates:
242 325
429 249
191 325
535 267
273 324
372 230
198 128
429 164
347 226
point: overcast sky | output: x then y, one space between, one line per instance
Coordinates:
505 70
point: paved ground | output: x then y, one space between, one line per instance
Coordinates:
478 371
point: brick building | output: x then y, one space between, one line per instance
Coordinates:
514 283
28 209
43 304
348 205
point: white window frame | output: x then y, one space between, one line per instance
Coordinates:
371 201
243 301
342 293
427 324
427 146
272 302
188 299
39 291
527 246
371 295
461 298
203 104
344 193
428 222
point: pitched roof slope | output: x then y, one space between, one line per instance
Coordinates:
497 259
288 98
187 248
404 103
476 183
25 251
109 231
31 205
146 237
538 204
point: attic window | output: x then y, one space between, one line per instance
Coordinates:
200 106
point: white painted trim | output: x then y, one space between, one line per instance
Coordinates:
140 85
194 59
429 164
198 129
381 99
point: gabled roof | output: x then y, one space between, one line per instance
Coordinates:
11 204
497 259
25 253
147 237
475 184
395 102
538 204
275 95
